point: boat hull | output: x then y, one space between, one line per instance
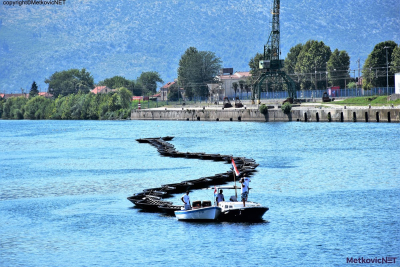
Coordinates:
244 214
202 214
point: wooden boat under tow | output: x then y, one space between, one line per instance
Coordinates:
200 212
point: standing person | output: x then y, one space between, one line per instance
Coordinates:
220 197
245 189
247 182
185 199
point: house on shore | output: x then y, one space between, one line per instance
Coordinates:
26 95
101 90
5 96
223 85
165 89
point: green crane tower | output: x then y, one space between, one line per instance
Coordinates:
271 67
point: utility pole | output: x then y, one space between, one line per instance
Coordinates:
358 62
315 74
387 71
326 72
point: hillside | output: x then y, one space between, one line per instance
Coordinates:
128 37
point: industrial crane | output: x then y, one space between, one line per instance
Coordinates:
271 66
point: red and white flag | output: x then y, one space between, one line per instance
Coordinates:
235 168
215 191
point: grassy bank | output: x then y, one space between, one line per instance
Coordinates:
367 100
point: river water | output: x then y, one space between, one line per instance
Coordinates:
333 190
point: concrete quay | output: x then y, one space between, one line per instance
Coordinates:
305 113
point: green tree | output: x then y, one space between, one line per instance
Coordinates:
147 81
118 82
291 58
34 90
91 105
395 64
196 69
124 97
253 64
14 108
173 92
38 108
70 82
312 57
374 69
235 87
351 85
113 103
338 68
241 85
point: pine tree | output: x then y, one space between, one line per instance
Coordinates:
34 90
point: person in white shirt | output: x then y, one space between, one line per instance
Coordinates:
185 199
220 197
245 181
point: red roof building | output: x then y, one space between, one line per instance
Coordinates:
101 90
5 96
165 89
46 94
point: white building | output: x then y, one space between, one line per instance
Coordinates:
223 85
397 83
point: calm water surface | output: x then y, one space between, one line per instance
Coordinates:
333 191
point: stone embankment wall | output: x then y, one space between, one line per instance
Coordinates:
273 115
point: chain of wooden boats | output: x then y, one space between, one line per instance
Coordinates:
151 203
151 199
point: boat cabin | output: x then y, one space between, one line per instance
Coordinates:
197 204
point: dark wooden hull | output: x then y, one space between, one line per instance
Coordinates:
252 214
169 209
200 183
179 187
151 204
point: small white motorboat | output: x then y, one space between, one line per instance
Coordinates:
199 212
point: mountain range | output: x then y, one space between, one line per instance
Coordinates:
127 37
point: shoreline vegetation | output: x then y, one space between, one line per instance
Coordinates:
118 106
80 106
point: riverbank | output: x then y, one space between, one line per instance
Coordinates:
307 112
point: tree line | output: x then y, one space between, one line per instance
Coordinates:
313 65
72 81
72 99
79 106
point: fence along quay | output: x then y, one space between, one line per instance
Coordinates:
152 199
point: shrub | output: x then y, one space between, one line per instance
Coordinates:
263 109
286 108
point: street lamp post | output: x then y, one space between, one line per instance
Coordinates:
355 79
326 72
387 71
